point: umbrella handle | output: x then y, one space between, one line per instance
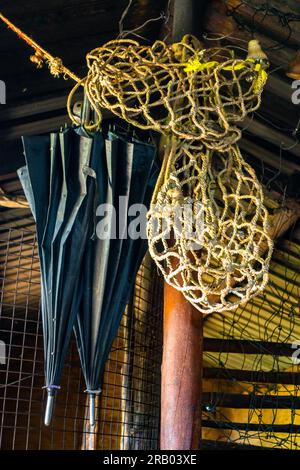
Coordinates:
49 406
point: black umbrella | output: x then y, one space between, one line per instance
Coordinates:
67 175
112 258
60 184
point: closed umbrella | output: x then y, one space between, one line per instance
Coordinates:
84 278
112 258
60 185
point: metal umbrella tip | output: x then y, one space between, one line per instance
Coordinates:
92 410
49 407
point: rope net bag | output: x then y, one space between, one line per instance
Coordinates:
208 227
194 93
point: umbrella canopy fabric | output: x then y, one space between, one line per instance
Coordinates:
83 278
112 258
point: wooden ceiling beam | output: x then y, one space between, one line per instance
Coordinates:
36 127
34 107
280 88
270 158
269 134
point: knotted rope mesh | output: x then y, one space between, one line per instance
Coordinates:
207 227
195 94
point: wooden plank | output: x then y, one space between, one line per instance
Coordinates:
208 444
259 427
247 347
233 400
252 376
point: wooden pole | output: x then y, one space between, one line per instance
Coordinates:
181 373
183 325
188 18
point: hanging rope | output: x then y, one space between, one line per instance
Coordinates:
55 64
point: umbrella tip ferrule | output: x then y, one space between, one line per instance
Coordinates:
92 410
50 403
92 400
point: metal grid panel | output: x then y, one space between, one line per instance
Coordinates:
128 409
252 381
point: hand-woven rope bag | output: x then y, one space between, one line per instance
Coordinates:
196 94
208 227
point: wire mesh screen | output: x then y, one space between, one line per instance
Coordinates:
128 408
252 372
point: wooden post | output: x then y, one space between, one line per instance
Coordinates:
188 18
181 373
183 324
